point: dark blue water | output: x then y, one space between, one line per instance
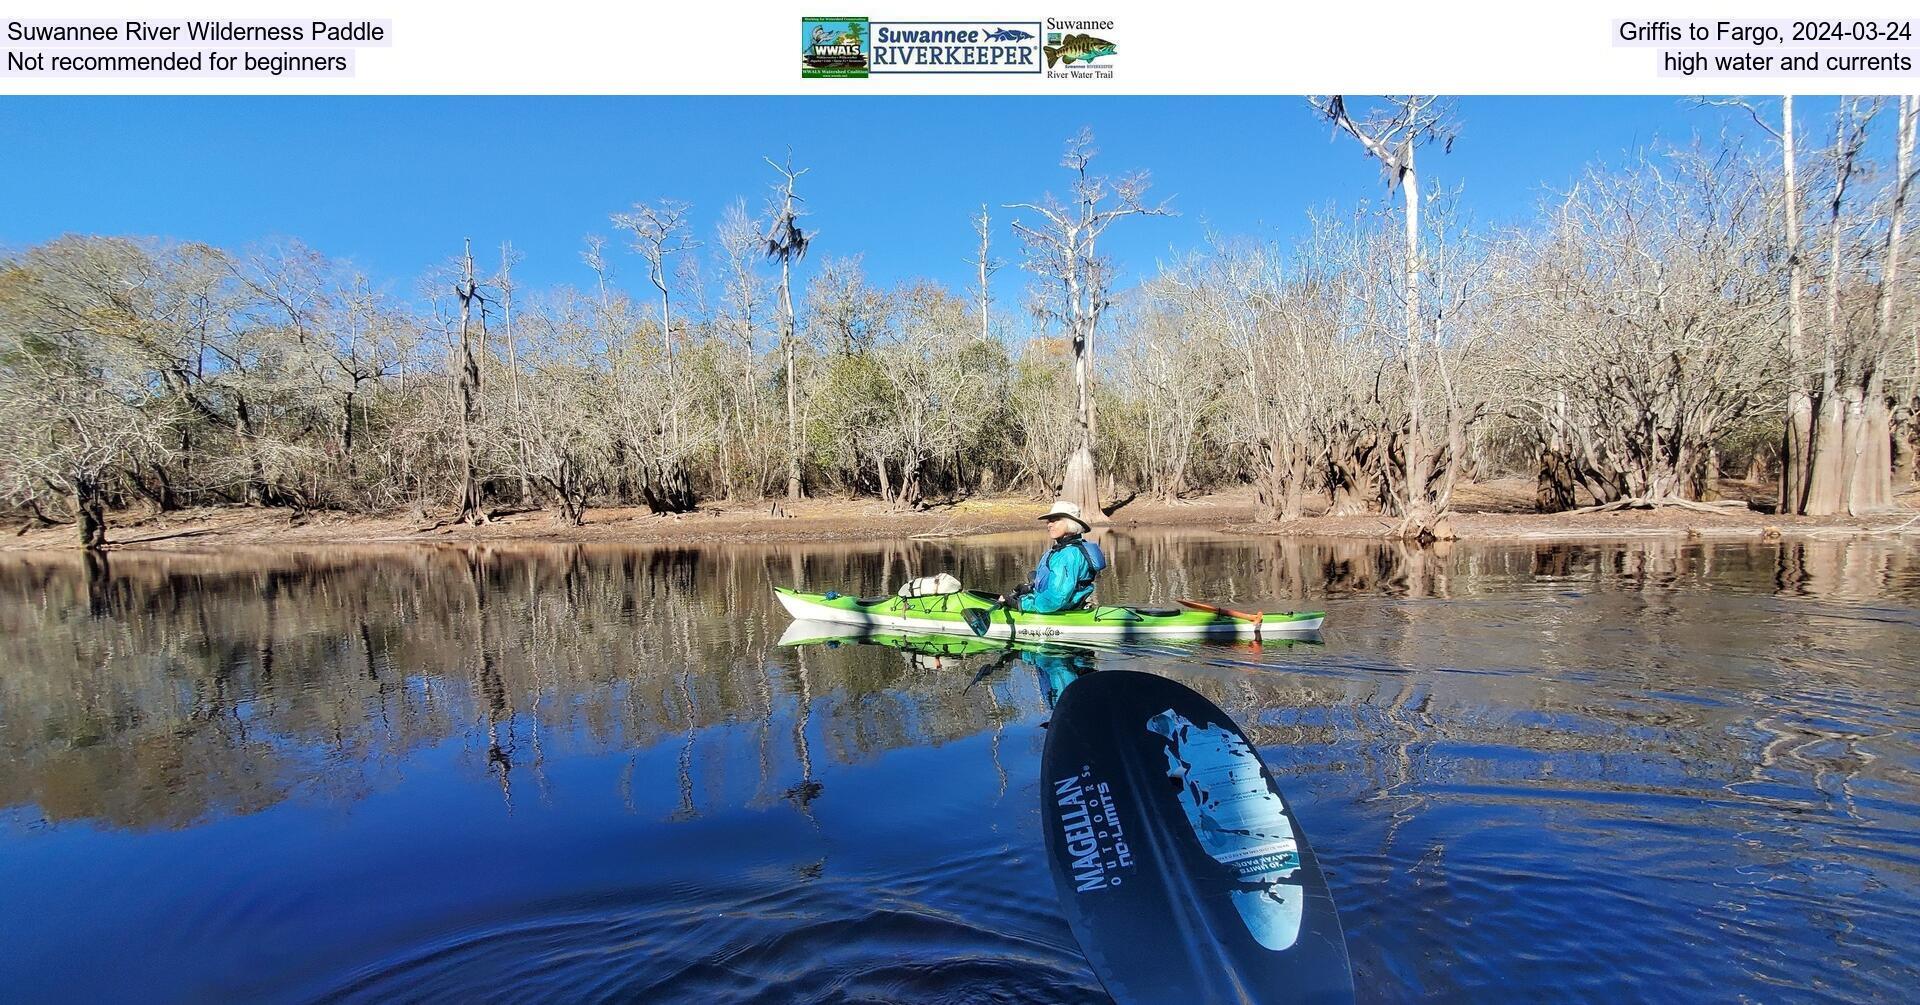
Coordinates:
1645 770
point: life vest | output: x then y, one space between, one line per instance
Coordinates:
1096 562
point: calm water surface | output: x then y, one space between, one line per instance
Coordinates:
1646 771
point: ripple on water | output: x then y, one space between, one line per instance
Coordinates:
855 940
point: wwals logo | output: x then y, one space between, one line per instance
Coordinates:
858 47
834 46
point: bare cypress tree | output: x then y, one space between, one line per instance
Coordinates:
469 503
1904 441
661 231
1828 474
1391 137
518 418
985 265
1798 431
1869 428
1797 423
787 243
737 247
1063 250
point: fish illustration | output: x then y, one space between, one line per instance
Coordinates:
1008 35
1084 48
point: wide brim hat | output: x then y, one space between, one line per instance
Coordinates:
1064 510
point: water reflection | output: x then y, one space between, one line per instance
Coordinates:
1056 662
579 771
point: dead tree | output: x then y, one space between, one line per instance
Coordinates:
1391 138
1906 438
787 243
1827 474
1797 427
469 502
1063 251
661 231
1871 438
985 265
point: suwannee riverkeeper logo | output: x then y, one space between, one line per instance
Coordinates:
859 47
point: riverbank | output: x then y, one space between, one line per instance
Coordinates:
1493 511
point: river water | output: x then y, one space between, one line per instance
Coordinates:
1643 770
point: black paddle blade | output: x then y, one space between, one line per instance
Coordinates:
1179 864
978 620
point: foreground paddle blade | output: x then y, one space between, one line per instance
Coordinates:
977 620
1178 862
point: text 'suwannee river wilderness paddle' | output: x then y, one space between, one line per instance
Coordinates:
1180 866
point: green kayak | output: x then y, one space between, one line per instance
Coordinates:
918 643
946 613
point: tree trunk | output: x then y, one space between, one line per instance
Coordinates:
1456 459
1268 482
1554 487
1293 502
666 488
570 492
880 473
1906 445
1080 487
513 377
90 510
1418 514
1827 482
909 495
257 493
469 502
793 412
1797 443
1351 479
1868 449
1871 487
1824 486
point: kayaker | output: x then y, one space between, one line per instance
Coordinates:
1063 581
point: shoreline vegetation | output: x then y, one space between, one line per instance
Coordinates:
1498 511
1685 341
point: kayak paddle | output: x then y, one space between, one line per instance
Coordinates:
1180 866
1255 617
980 620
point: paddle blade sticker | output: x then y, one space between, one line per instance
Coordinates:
1179 864
1239 820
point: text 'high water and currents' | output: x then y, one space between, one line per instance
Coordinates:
1826 47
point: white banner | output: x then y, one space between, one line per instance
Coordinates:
940 47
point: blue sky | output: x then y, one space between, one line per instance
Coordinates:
395 183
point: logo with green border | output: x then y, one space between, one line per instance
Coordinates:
834 46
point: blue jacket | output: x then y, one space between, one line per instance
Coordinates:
1062 581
